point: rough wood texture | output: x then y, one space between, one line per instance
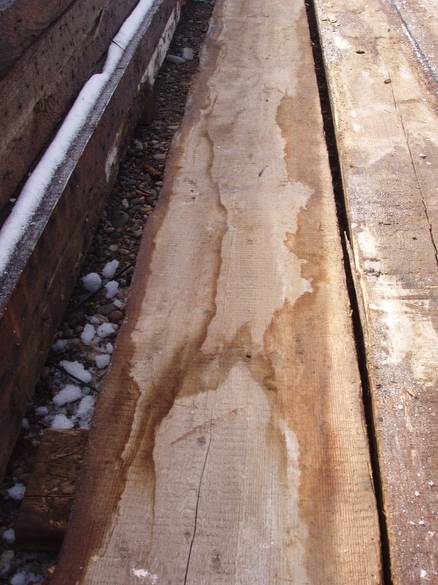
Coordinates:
44 512
36 93
229 443
21 22
384 104
36 286
417 20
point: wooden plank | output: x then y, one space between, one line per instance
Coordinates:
37 282
229 442
384 106
46 506
34 95
418 22
21 22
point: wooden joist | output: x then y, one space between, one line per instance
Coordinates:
229 444
36 284
384 105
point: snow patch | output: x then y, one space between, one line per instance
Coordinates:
92 282
112 288
9 536
110 269
69 393
88 334
106 329
41 410
103 360
86 407
145 574
60 421
77 370
16 492
59 345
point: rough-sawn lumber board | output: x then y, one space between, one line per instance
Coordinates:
385 110
229 444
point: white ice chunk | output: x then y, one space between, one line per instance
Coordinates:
20 578
59 345
60 421
88 334
70 393
102 360
109 349
112 288
86 407
110 269
77 370
41 410
92 282
106 329
9 535
16 492
187 53
25 578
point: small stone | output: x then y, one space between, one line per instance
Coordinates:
387 81
175 59
7 559
160 156
187 53
114 247
116 316
125 203
138 145
119 219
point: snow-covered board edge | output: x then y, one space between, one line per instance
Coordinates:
43 267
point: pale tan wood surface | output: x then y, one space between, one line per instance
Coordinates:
384 105
229 445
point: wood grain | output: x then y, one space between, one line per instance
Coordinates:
37 91
44 512
229 444
22 22
384 105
